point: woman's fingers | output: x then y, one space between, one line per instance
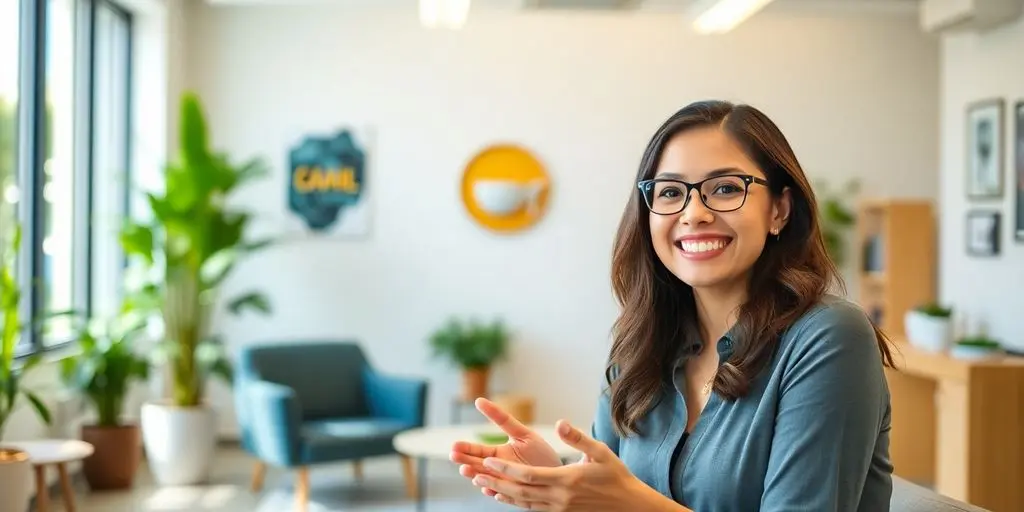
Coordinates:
521 504
502 419
481 451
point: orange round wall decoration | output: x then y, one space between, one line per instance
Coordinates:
505 188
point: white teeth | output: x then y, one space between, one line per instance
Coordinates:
712 245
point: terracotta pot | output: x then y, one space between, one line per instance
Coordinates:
519 407
474 382
117 457
16 484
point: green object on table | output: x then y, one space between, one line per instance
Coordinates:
493 437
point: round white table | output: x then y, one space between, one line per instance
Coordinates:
436 443
54 452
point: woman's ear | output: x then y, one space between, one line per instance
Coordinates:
780 210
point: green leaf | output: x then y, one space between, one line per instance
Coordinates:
138 240
254 300
39 406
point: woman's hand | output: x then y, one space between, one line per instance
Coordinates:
599 482
524 446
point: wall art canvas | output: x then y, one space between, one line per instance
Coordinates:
327 184
1018 173
985 149
983 233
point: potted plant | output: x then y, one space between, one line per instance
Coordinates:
976 347
102 372
474 347
837 219
15 468
190 246
929 327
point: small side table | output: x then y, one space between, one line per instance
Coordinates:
54 452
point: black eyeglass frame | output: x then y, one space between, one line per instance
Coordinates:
746 178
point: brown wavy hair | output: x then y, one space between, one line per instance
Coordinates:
658 311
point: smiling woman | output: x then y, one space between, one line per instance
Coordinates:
733 374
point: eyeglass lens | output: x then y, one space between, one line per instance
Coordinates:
723 194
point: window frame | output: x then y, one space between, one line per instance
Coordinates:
31 156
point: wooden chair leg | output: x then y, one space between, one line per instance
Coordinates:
302 490
410 477
258 473
357 469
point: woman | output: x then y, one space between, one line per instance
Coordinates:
736 381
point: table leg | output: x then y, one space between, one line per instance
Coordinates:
65 487
42 493
421 486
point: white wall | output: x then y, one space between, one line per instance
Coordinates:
986 291
857 96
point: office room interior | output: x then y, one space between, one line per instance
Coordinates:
265 254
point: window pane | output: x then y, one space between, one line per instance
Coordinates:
110 155
59 175
9 60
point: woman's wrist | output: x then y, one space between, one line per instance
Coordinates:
643 497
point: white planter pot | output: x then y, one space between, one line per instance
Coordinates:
934 334
179 442
16 483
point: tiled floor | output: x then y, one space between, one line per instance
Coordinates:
334 488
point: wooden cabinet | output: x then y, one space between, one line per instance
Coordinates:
958 426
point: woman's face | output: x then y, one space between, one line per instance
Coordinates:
702 247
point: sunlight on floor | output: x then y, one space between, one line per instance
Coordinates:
192 498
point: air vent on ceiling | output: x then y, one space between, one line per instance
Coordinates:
612 5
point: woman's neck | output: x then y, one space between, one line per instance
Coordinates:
717 310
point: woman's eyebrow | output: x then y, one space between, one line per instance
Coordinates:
711 174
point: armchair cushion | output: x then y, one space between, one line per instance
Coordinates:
348 438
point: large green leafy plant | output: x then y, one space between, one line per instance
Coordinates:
11 378
192 244
105 366
470 345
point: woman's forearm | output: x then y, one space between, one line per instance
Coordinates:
649 500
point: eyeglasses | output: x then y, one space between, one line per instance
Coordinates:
668 196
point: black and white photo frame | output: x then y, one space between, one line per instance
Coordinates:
1018 172
983 232
985 153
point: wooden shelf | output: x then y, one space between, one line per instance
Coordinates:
896 249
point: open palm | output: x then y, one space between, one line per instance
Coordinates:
524 446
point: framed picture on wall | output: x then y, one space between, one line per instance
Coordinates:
983 232
1018 172
985 149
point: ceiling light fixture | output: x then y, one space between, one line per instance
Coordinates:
721 16
450 14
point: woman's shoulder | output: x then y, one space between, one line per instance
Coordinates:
832 325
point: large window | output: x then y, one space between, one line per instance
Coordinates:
64 139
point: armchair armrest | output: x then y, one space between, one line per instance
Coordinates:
399 398
273 419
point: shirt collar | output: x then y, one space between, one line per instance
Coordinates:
726 345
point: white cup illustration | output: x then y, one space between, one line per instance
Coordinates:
505 197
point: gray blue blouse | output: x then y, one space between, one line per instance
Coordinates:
812 434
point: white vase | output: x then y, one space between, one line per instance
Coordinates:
16 483
930 333
179 442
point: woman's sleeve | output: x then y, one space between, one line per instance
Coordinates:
833 404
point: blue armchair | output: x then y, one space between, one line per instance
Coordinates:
300 404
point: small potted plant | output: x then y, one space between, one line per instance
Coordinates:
929 327
102 372
15 468
474 347
976 347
